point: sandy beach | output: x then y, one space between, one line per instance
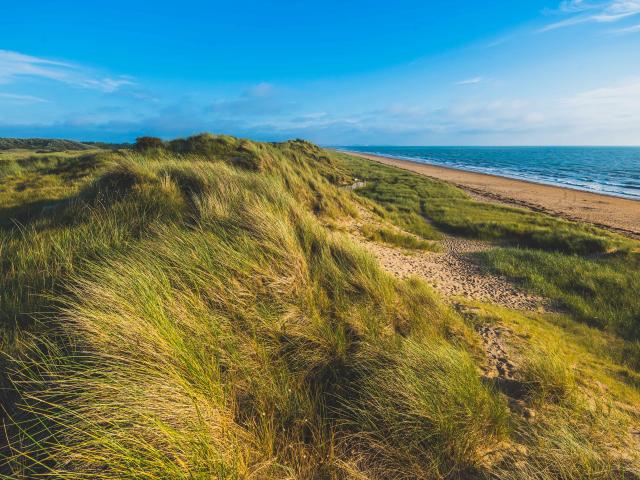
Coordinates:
613 213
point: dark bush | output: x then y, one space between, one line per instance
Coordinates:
144 144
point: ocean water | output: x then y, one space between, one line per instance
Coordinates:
609 170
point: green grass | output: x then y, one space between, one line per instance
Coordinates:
576 391
547 376
409 408
417 203
202 322
599 291
586 271
30 181
398 238
185 313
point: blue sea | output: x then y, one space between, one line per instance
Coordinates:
609 170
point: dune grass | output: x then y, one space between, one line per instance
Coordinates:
584 400
414 200
547 376
218 330
591 273
184 313
30 181
398 238
600 291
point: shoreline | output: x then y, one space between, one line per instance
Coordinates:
618 214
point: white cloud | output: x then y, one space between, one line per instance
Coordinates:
15 66
470 81
18 98
623 97
571 6
593 12
606 115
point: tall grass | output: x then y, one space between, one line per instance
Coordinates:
202 323
410 413
598 291
219 340
547 376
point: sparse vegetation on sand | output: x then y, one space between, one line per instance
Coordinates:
183 311
398 238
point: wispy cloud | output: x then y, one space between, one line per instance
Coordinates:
572 6
606 115
15 66
622 96
470 81
581 12
626 30
609 114
18 98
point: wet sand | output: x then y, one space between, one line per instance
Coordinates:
613 213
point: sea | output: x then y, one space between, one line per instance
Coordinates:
607 170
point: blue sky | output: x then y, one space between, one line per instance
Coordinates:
496 72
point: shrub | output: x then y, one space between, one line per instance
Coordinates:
144 144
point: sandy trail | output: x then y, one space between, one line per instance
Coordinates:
616 214
452 272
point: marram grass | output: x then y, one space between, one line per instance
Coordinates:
184 313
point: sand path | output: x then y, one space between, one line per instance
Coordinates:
452 272
617 214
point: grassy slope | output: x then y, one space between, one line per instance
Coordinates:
185 314
589 272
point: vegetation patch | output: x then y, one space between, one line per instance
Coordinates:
398 238
416 203
596 290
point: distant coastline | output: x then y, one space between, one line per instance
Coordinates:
607 211
613 171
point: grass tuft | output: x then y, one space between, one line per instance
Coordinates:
547 376
398 238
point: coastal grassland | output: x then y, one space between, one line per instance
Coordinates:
36 242
31 180
576 391
416 202
591 273
196 320
601 290
184 313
